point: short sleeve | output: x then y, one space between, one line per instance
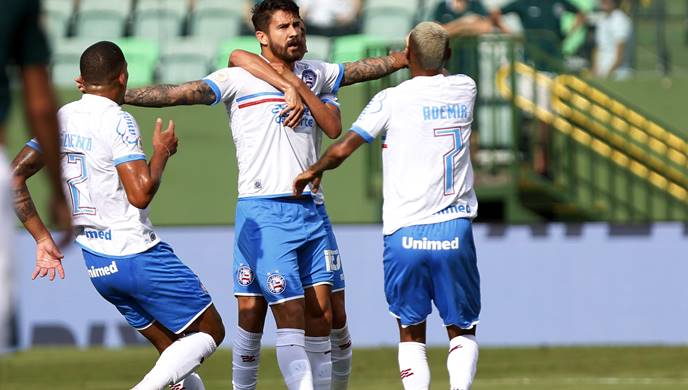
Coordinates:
331 99
33 144
374 118
30 46
126 143
224 83
333 73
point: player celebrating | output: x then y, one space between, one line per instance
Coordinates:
111 186
429 202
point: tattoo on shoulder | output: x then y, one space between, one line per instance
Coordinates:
369 69
163 95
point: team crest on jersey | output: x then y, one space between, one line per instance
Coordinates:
309 77
276 283
245 275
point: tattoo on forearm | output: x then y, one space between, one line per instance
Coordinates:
194 92
369 69
25 165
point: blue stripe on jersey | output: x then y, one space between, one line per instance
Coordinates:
241 99
131 157
338 83
330 102
34 145
364 134
216 90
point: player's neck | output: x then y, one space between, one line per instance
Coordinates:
276 60
417 72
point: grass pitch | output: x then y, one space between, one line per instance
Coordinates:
650 368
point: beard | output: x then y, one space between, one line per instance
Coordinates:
289 52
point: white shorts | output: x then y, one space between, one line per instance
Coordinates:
7 221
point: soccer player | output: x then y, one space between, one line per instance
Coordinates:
110 186
429 203
23 43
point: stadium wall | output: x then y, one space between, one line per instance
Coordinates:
542 285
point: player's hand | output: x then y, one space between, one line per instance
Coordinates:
400 57
48 260
80 84
165 142
294 110
61 216
306 178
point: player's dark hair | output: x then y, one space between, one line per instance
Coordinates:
262 12
101 63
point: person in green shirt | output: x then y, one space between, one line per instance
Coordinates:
541 20
23 44
462 17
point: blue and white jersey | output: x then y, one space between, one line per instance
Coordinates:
269 154
426 127
97 136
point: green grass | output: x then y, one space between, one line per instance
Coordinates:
651 368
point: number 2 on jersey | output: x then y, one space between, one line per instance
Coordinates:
76 170
455 134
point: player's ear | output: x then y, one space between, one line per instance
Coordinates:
262 38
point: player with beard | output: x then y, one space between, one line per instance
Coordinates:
273 144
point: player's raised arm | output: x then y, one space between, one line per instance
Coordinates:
140 180
48 256
165 95
373 68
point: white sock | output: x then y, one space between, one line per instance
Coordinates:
292 359
191 382
462 361
178 360
318 352
341 358
413 366
245 360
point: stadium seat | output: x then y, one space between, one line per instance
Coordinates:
236 7
185 59
387 22
318 47
412 6
142 56
120 7
57 14
159 20
226 48
65 61
354 47
215 20
99 24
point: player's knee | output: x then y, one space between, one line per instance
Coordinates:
218 332
338 318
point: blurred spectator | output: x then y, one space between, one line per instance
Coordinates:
463 17
331 17
541 20
611 38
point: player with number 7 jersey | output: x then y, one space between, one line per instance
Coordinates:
429 203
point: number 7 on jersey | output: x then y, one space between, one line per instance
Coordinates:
455 134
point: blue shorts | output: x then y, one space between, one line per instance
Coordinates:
335 260
150 286
435 262
280 248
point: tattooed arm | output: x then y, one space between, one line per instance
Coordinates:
373 68
165 95
48 255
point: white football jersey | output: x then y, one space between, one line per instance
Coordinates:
269 154
426 127
96 136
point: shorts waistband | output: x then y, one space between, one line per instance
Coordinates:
281 199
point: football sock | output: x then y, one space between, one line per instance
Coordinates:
462 361
341 358
292 359
413 366
177 361
245 360
191 382
319 357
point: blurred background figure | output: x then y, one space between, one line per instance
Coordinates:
541 20
463 17
611 42
331 17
